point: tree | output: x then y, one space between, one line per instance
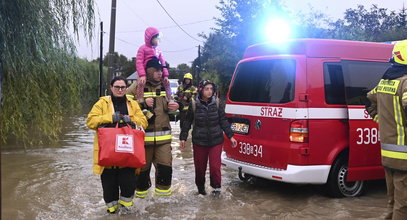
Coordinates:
42 78
375 25
122 63
239 26
179 72
241 22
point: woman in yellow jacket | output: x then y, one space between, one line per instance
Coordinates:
108 110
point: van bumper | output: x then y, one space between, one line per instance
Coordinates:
313 174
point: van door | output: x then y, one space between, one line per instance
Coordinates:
261 105
364 143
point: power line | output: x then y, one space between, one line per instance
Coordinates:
125 41
182 50
168 27
177 23
139 17
168 51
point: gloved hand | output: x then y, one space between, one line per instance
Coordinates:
116 117
126 118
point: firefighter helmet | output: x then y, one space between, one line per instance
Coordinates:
188 76
400 52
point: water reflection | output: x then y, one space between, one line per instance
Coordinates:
57 183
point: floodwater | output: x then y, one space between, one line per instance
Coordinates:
57 183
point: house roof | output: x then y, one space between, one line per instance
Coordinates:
133 76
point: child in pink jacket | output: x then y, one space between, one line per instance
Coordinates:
145 53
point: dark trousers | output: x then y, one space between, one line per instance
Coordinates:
118 179
201 156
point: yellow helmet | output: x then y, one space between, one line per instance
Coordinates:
188 76
400 52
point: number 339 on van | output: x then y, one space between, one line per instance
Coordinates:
248 149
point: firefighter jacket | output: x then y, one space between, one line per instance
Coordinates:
101 113
158 131
209 124
184 95
131 92
388 108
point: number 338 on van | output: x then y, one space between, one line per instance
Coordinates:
248 149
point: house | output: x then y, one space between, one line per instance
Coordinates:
132 78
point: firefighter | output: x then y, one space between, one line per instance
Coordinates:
185 93
388 107
158 133
108 110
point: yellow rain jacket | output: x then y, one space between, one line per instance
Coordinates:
101 113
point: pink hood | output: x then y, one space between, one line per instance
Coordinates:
148 34
148 51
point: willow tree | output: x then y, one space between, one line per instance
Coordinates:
41 78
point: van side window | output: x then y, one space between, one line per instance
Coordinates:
334 84
361 77
264 81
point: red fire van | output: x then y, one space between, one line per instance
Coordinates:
298 111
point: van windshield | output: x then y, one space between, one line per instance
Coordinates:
264 81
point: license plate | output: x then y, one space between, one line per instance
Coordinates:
240 128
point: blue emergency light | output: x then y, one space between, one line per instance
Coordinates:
277 30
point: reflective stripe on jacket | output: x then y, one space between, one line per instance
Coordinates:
388 104
101 113
159 129
189 93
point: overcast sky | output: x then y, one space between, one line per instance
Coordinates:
194 16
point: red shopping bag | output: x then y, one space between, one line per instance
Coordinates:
122 147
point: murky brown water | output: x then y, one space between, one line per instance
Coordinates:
57 183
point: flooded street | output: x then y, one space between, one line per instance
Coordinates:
57 183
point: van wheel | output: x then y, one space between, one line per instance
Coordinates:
244 176
337 186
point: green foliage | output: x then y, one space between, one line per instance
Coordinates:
179 71
42 79
377 25
121 64
238 27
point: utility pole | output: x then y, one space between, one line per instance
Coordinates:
111 40
1 75
101 62
199 64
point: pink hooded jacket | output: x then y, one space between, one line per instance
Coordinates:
148 51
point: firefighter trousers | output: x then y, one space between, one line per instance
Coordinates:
201 156
118 181
397 194
161 157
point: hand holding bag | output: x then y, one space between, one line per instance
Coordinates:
122 147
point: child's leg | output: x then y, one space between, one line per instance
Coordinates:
167 89
140 91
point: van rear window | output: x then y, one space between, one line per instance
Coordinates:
264 81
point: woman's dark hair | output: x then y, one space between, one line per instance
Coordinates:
202 85
118 78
